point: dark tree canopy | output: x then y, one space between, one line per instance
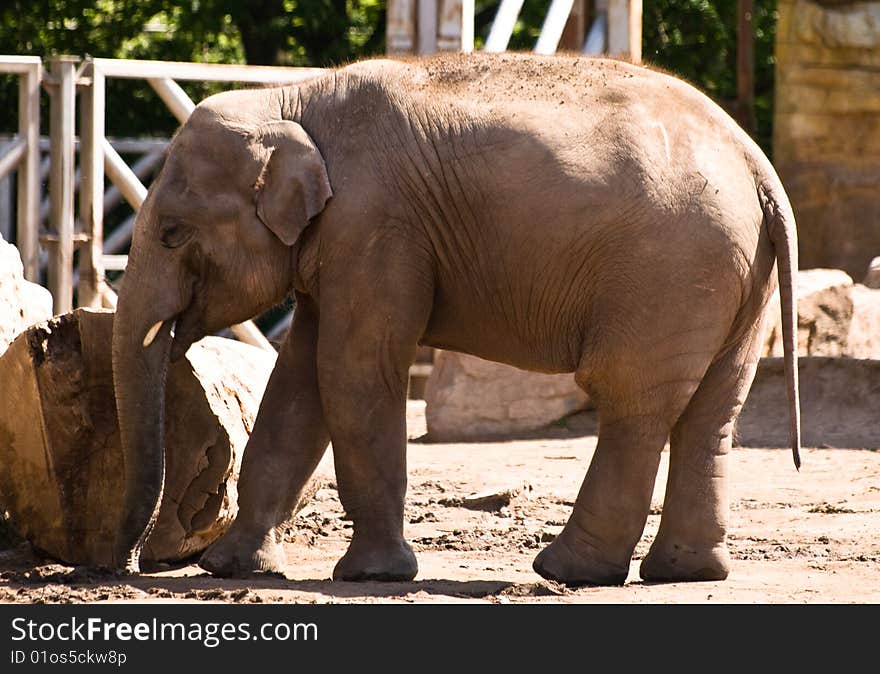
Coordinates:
693 38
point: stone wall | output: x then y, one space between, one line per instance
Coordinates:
826 141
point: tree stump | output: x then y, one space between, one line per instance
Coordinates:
61 463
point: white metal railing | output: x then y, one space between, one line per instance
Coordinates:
149 154
554 24
427 26
22 153
503 25
98 158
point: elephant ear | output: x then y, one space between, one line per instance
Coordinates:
293 186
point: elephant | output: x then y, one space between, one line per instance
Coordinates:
559 214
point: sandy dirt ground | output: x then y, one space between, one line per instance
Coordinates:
807 537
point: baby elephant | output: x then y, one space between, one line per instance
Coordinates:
557 214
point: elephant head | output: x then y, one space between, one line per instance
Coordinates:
214 244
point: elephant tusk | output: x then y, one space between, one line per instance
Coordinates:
151 334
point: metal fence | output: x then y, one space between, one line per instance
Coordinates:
99 158
22 154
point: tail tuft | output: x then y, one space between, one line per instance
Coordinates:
779 221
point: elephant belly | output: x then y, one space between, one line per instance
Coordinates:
512 332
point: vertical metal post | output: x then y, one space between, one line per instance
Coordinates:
745 64
467 26
625 29
426 24
502 25
28 206
6 207
62 122
454 25
91 190
575 32
554 24
400 31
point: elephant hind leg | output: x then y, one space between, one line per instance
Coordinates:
596 545
691 542
638 404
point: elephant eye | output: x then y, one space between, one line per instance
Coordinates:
174 233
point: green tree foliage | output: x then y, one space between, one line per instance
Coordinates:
695 39
269 32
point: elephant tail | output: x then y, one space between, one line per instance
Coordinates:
780 224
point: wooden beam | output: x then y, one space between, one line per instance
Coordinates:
625 29
11 154
207 72
400 30
62 122
28 198
173 95
575 32
745 65
502 25
91 191
554 24
427 26
455 25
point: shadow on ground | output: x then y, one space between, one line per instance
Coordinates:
21 571
578 425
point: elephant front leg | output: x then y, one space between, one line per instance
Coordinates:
369 334
366 412
288 440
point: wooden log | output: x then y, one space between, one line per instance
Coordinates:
60 455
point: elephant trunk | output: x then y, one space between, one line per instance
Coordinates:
141 351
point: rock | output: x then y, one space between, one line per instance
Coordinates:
60 454
863 340
872 278
22 303
838 404
835 317
468 398
491 500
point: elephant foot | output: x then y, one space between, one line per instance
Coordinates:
231 557
389 561
560 562
669 562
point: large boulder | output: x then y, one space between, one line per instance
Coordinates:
468 398
863 340
838 404
21 303
61 461
835 317
872 278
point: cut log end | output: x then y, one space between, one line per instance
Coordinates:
61 452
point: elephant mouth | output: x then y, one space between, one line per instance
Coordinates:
187 330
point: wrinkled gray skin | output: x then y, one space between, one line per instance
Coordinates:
556 214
